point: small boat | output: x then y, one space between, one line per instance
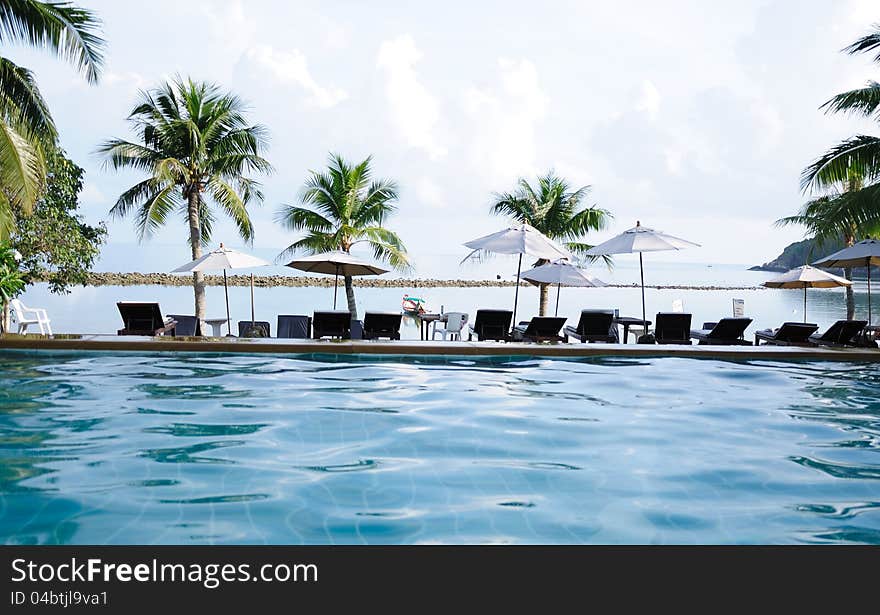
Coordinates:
413 306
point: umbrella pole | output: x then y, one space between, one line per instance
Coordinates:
335 286
516 295
642 272
805 304
228 318
558 288
869 292
253 318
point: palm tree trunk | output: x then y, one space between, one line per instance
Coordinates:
850 295
543 290
195 241
5 319
542 306
349 294
850 240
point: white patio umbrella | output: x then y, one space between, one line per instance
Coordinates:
225 258
520 239
561 272
862 254
806 277
337 263
641 239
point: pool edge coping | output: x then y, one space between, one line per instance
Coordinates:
417 348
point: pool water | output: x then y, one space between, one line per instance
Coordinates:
129 448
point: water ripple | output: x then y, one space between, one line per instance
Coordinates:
146 449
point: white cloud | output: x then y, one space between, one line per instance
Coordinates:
91 194
650 100
125 79
416 111
291 67
506 119
429 193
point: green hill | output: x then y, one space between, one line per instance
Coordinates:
802 253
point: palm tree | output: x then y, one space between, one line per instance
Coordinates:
196 147
343 207
859 154
839 214
26 126
552 208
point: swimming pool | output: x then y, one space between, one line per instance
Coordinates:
189 448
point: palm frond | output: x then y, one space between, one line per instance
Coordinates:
233 205
22 167
68 30
864 101
313 243
835 166
299 218
22 104
135 197
868 43
154 211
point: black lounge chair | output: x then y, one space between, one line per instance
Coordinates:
336 323
841 333
142 318
187 326
491 325
672 328
789 334
539 329
725 332
594 326
256 328
294 327
381 324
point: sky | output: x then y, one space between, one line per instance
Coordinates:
695 118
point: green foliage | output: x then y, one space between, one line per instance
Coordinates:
193 141
69 31
11 280
854 210
55 244
343 207
26 127
554 209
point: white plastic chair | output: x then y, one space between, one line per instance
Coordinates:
455 322
25 316
739 308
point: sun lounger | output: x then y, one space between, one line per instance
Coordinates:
491 325
336 323
294 327
381 324
594 326
672 328
258 328
539 329
789 334
725 332
142 318
841 333
187 326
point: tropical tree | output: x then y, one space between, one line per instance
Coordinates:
26 126
56 245
344 207
197 148
840 214
858 156
555 210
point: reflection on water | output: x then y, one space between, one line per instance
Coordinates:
106 448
